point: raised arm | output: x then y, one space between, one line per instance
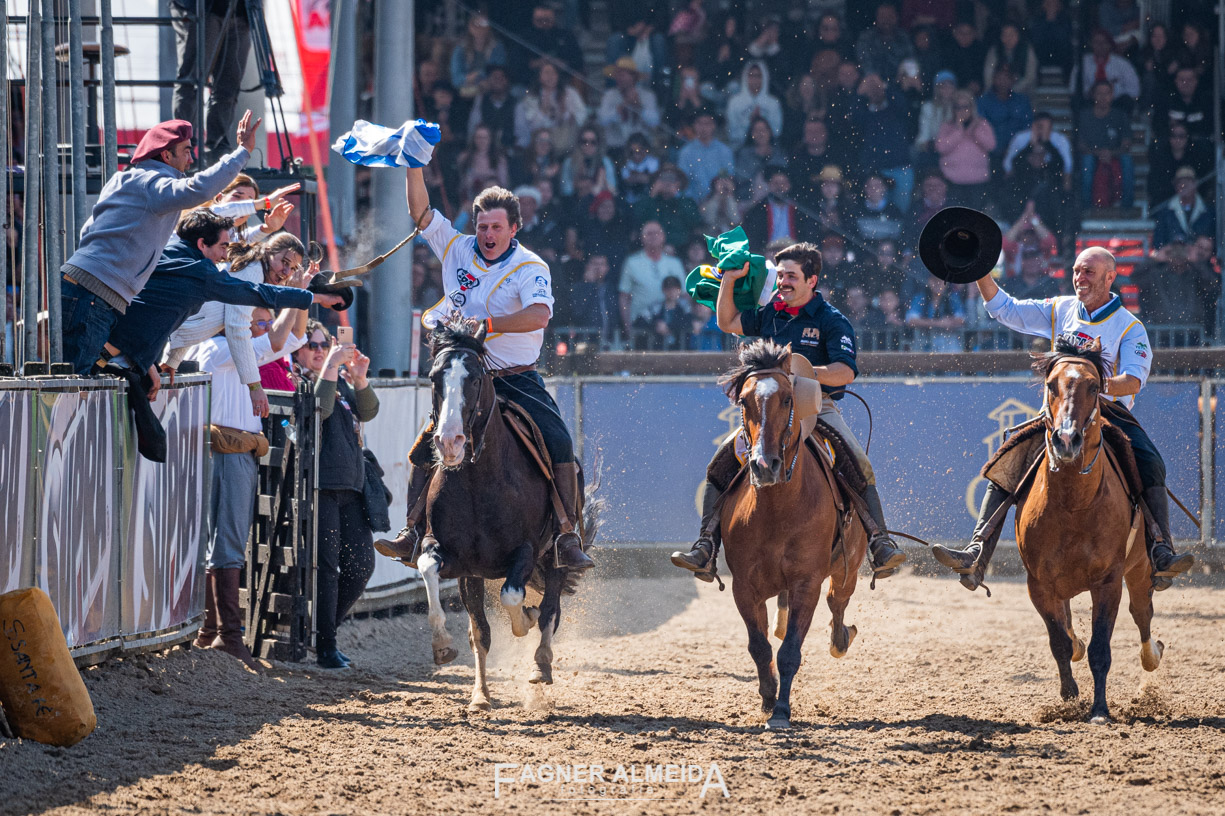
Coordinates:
418 198
728 314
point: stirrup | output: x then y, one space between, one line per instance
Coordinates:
572 545
890 564
398 547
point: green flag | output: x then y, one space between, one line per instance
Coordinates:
731 251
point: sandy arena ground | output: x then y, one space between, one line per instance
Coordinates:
946 703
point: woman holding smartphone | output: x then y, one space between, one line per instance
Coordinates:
345 558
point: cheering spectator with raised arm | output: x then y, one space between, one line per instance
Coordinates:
628 107
965 146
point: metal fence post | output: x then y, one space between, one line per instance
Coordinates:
76 82
4 151
1207 463
53 237
110 132
30 300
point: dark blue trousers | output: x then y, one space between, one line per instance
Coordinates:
1148 460
527 389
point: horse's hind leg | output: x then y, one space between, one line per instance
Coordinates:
1052 610
514 590
841 588
550 617
804 604
444 651
1106 597
753 611
1140 603
1078 645
780 617
472 592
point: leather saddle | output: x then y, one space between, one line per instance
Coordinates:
516 418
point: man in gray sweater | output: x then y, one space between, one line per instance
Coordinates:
131 223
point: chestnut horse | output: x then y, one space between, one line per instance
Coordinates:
1077 526
780 525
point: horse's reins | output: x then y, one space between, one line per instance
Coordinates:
786 431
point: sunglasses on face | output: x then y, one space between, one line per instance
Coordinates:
263 324
324 346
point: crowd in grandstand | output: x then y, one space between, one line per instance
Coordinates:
848 127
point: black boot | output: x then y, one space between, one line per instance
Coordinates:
702 556
971 563
886 555
406 546
1166 564
568 543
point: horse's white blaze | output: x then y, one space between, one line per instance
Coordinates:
428 566
766 388
451 415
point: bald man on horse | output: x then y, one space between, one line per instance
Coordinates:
1093 312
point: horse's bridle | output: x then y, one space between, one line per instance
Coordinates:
1049 421
786 431
475 447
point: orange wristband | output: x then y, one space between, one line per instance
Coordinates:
488 324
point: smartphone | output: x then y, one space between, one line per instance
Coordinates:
344 335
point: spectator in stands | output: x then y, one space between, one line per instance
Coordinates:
939 313
1029 231
704 157
908 86
803 101
932 114
426 290
1186 216
1121 19
481 161
677 213
1013 50
639 167
933 197
642 277
766 48
1048 32
1177 288
729 50
546 43
628 107
605 230
227 43
671 324
877 219
1104 132
856 305
687 102
545 236
833 209
756 157
840 115
1039 172
751 101
720 210
644 45
495 107
834 263
881 120
965 146
882 47
810 158
1033 280
1189 103
1008 112
552 105
473 56
965 57
1103 65
593 303
777 216
831 36
1196 50
884 326
344 549
1040 136
588 162
689 25
427 77
1157 64
449 111
1165 156
235 474
538 161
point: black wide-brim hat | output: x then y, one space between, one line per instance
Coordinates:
321 284
960 245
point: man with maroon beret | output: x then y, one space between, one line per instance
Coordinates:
133 219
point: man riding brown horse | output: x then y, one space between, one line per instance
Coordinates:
801 317
954 247
493 278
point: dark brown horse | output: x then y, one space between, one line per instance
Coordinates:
1077 527
488 511
779 527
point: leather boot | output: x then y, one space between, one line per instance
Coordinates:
887 556
1166 565
971 563
406 546
569 546
702 556
208 629
229 613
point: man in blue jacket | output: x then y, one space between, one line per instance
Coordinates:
184 279
133 219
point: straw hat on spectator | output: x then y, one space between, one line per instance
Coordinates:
830 173
623 64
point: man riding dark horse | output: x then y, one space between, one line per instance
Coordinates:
493 278
1093 312
801 317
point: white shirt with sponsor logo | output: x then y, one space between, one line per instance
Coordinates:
231 399
1125 345
480 289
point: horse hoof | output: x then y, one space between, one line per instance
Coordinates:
1100 719
445 655
1078 650
544 676
479 706
1150 655
778 724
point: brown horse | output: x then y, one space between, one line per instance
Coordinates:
1077 527
780 526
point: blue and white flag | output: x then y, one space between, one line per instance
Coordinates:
371 145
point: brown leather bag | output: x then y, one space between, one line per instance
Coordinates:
232 440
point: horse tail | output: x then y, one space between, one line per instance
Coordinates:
589 522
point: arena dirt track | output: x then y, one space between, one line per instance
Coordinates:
946 703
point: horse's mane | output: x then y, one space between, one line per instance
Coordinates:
756 356
456 332
1067 345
